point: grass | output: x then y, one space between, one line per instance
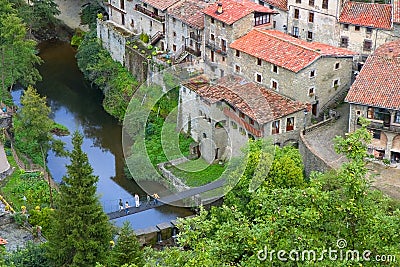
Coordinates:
197 172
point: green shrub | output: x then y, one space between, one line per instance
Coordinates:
149 47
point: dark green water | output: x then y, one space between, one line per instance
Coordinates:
78 106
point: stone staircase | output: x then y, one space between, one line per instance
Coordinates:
156 37
334 101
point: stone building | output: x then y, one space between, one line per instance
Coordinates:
375 95
314 20
280 20
223 115
309 72
185 29
365 26
147 16
224 22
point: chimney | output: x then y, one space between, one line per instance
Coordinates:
219 9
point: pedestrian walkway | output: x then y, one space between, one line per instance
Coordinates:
169 199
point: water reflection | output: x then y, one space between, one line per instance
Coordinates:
78 106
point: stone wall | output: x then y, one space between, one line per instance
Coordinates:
312 161
177 184
136 63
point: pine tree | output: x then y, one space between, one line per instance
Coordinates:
80 233
127 250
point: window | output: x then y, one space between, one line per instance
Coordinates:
222 73
367 45
212 56
151 23
222 25
377 113
237 53
234 125
368 30
204 135
397 117
337 65
357 28
258 78
122 4
274 85
241 115
376 134
174 34
251 121
311 17
309 35
183 38
144 4
296 13
275 68
237 68
312 74
311 91
173 20
296 31
298 1
223 45
336 83
274 24
344 42
325 4
223 59
174 48
242 131
212 37
262 19
259 61
311 2
346 27
212 20
290 124
275 127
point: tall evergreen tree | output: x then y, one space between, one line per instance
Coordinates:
80 233
127 250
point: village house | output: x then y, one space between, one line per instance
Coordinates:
224 22
309 72
223 115
185 29
280 20
365 26
314 20
375 95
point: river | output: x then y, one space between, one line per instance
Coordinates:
75 104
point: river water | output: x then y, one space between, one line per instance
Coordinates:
78 106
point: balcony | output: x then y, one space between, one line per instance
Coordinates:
149 13
192 51
379 125
195 37
216 48
242 122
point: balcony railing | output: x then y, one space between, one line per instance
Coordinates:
379 125
195 37
242 122
149 13
216 48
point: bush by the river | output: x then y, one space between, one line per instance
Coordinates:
117 83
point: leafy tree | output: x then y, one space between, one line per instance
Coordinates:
17 55
127 249
80 231
32 127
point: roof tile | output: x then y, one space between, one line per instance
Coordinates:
259 103
235 10
284 50
160 4
367 14
281 4
378 83
190 12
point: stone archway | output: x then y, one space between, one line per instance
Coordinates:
395 149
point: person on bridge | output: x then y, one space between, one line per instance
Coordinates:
137 201
148 200
126 207
156 197
121 205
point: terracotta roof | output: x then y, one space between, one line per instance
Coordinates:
281 4
160 4
378 83
284 50
235 10
259 103
3 241
190 12
367 14
396 11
